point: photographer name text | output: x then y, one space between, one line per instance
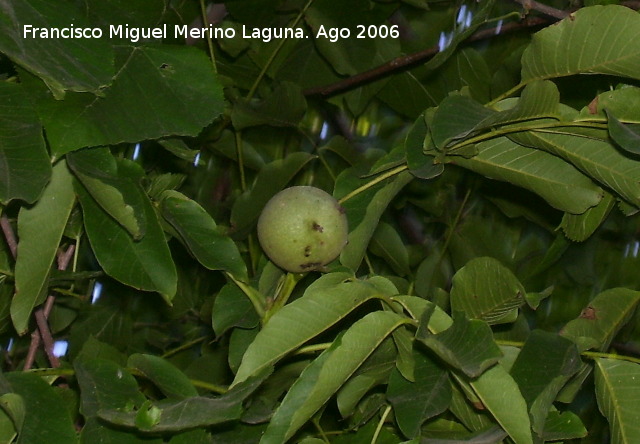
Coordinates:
134 34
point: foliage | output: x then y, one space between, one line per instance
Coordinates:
489 287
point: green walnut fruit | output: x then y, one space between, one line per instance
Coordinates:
302 229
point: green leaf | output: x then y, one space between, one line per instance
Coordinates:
93 348
105 322
579 227
375 205
500 395
351 55
94 431
295 398
198 436
145 264
12 413
171 381
467 345
181 150
617 391
342 148
486 289
232 308
601 320
495 390
415 402
374 371
84 64
624 103
6 295
40 229
54 427
269 395
301 320
556 181
467 68
490 435
626 136
304 65
271 179
117 192
25 168
284 106
457 117
148 415
239 341
239 433
420 165
473 419
597 39
534 299
539 99
479 18
563 425
405 93
387 243
144 13
105 385
597 158
405 362
328 372
200 234
186 97
197 411
416 306
543 366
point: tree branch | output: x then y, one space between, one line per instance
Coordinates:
544 9
43 333
402 63
411 60
9 235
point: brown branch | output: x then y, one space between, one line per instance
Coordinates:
402 63
411 60
45 336
530 5
43 333
9 235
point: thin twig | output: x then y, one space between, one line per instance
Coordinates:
33 349
411 60
63 262
383 418
205 22
402 63
45 336
9 235
530 5
43 333
382 177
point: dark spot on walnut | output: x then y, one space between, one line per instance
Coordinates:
307 251
341 209
317 227
310 265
